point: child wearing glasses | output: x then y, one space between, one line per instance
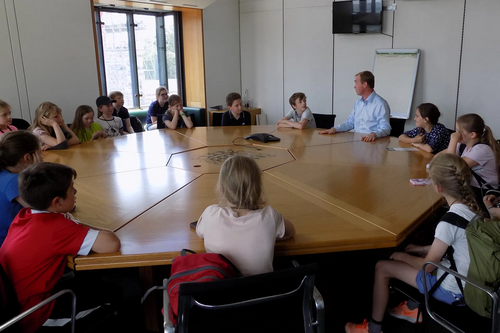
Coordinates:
157 109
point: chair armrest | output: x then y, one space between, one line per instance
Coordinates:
320 311
492 294
167 324
42 304
319 304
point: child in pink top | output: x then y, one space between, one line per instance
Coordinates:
474 142
241 227
5 119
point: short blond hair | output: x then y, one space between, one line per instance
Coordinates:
4 104
114 94
159 90
240 184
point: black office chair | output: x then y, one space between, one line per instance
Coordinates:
398 126
198 116
136 124
281 301
20 123
457 319
324 120
217 119
462 319
9 305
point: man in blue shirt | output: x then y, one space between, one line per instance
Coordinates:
370 113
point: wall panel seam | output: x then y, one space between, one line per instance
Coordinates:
22 61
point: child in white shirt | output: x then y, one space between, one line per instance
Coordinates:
241 227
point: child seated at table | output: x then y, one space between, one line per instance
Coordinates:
474 142
176 117
450 177
111 125
34 254
235 115
50 128
300 116
18 150
5 118
83 125
241 227
120 111
429 135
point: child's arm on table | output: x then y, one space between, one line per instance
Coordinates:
289 230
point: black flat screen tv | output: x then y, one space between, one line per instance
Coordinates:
357 16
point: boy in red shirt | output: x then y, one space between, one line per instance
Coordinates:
41 237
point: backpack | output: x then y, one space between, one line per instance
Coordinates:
202 267
483 238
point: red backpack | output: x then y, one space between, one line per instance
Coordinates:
201 267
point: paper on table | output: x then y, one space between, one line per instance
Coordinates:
402 149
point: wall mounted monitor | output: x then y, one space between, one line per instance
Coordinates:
357 16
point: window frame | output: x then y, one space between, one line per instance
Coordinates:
160 44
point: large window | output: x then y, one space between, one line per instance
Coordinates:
138 51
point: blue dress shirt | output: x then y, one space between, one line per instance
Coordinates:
367 116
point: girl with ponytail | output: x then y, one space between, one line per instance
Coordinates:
474 142
450 176
18 150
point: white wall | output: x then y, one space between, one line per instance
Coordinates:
480 63
308 52
12 90
421 25
54 55
221 33
287 47
261 38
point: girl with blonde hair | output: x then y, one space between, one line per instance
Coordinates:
5 118
450 176
50 128
474 142
242 227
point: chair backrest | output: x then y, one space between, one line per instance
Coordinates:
280 301
324 120
198 116
136 124
217 118
9 306
160 123
20 123
398 126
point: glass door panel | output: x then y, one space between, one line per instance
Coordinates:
115 44
147 58
170 51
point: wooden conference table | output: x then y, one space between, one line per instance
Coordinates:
340 193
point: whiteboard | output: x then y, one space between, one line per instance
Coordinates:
395 72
